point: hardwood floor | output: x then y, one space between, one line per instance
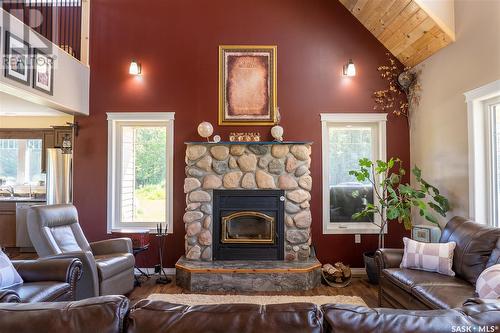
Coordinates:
358 287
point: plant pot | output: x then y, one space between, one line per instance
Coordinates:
371 267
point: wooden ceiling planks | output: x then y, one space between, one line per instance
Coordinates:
402 26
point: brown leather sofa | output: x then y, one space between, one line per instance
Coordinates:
478 247
108 265
111 314
50 280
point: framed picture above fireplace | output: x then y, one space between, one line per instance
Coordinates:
247 85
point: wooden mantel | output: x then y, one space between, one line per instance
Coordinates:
409 32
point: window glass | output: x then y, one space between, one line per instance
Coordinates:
495 110
347 145
143 174
20 162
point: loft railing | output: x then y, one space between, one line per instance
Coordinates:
60 21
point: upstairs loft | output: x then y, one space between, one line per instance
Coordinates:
52 28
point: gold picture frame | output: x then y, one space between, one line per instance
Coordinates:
247 85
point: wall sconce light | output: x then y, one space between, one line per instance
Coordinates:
349 69
135 68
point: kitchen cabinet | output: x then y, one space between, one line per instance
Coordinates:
7 224
13 228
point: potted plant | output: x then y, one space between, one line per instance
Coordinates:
393 200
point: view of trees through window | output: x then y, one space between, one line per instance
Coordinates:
347 145
144 172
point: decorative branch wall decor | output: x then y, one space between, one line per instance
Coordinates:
401 84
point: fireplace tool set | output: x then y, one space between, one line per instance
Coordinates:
161 235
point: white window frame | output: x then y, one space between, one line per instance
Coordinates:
379 153
481 192
115 121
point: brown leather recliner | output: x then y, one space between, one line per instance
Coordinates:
112 314
108 265
478 247
45 280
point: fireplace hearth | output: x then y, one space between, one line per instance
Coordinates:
248 224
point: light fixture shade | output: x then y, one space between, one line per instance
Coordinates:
350 69
66 144
135 68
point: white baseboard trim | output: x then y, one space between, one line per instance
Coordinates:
358 272
151 270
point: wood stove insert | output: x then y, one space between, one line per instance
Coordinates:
248 225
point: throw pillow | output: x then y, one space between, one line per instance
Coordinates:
488 283
8 274
431 257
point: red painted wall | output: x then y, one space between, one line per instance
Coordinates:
177 44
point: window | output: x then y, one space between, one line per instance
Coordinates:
21 167
140 161
346 138
483 107
494 117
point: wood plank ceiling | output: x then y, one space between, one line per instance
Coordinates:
402 26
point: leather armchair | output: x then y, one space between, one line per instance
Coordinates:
45 280
108 265
9 296
104 314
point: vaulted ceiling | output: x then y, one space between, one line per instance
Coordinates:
402 26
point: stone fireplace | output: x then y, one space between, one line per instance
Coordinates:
248 201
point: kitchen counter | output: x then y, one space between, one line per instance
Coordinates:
21 199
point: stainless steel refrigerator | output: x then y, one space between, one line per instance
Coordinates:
59 177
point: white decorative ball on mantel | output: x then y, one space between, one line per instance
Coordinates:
277 133
205 129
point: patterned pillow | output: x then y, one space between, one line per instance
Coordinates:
488 283
432 257
8 274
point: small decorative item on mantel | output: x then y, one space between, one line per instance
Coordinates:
337 275
244 137
205 130
277 131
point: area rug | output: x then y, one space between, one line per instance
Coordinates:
197 299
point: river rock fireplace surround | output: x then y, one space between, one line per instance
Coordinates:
248 216
248 166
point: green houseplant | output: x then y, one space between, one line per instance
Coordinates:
394 200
